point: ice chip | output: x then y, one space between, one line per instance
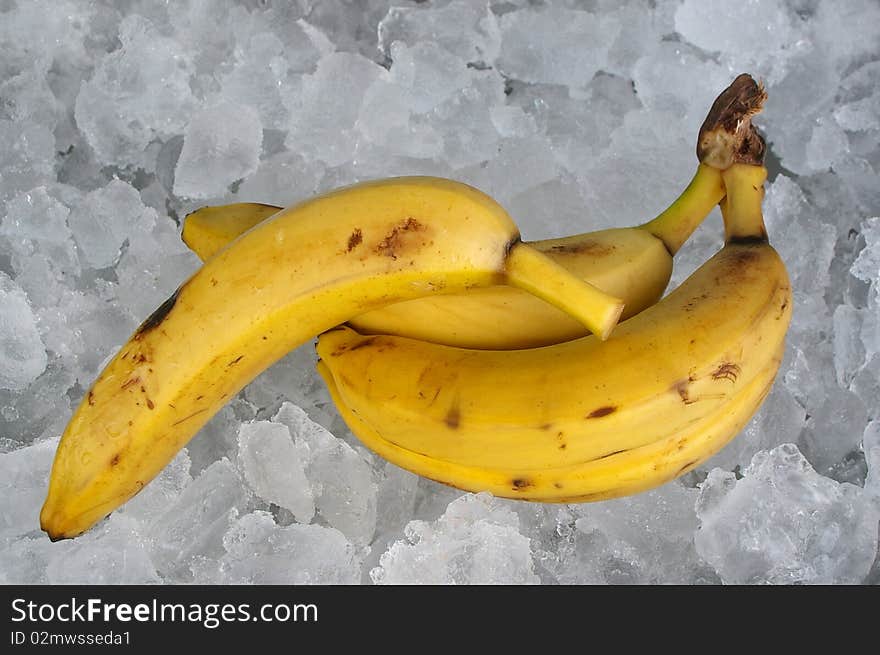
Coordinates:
221 145
848 31
282 179
866 267
323 111
871 449
112 553
342 480
192 527
396 499
105 219
23 476
783 523
163 491
27 157
477 541
828 144
849 352
138 92
467 29
755 36
260 552
263 67
274 467
574 45
22 353
642 539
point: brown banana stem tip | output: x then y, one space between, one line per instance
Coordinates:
727 136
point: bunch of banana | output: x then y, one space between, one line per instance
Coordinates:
589 419
305 270
402 257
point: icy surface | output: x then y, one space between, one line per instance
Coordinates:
476 541
116 119
784 523
22 353
220 145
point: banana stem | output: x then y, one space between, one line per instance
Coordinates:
531 270
741 208
677 223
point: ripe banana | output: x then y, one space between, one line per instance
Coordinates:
633 264
583 420
309 268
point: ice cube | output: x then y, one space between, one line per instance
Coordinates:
258 551
554 45
866 267
342 480
519 165
849 352
396 499
848 31
465 122
755 37
871 449
163 491
138 92
828 145
221 145
23 484
324 110
273 466
283 179
111 553
263 66
192 527
641 539
105 219
477 541
676 77
466 29
22 352
783 523
27 157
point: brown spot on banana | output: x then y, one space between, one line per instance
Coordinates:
682 388
392 244
155 319
355 239
602 411
453 417
727 371
586 247
520 484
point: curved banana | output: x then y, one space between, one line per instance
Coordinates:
633 264
309 268
586 419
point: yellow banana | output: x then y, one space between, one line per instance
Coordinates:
309 268
586 419
633 264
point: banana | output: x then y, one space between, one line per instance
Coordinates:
584 420
633 263
307 269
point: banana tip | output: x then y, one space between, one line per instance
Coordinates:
611 322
